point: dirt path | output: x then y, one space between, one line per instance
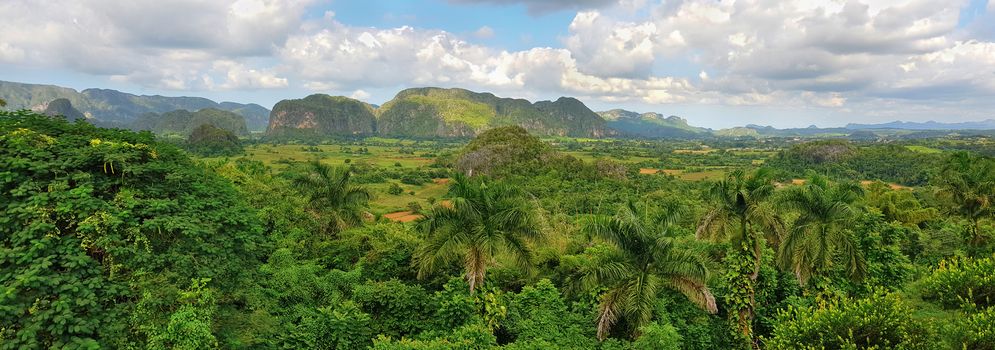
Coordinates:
403 216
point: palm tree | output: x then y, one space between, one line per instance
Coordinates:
820 233
330 196
968 182
479 221
742 208
643 260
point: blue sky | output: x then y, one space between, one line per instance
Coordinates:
716 63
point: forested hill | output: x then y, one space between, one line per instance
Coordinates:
112 107
435 112
651 125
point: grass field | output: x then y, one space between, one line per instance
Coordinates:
708 174
388 153
923 149
384 156
385 203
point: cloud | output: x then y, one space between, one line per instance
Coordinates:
360 95
605 47
538 7
239 77
484 32
907 56
166 44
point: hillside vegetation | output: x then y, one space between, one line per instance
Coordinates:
110 238
116 108
434 112
183 122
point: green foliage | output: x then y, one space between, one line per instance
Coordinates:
743 215
481 220
842 159
501 151
344 326
189 327
395 189
962 282
396 309
820 235
434 112
109 239
183 122
469 337
92 220
331 195
473 114
539 315
208 140
655 336
642 261
975 331
456 305
880 321
321 114
968 182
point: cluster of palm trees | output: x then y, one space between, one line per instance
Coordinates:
808 226
486 218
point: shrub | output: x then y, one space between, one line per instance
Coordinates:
975 332
880 321
658 337
395 189
962 282
396 309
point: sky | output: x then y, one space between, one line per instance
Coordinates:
717 63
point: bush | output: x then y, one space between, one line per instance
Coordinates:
880 321
962 282
976 332
396 309
539 313
342 327
658 337
395 189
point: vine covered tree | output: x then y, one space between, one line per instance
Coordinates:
478 221
642 261
743 214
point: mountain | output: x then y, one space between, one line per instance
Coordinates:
651 125
429 112
183 122
112 107
324 115
930 125
62 107
256 116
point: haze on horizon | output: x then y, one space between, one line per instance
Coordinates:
716 63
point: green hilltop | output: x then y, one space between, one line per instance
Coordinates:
435 112
651 125
183 122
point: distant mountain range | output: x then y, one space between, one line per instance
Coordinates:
115 108
651 125
416 112
930 125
